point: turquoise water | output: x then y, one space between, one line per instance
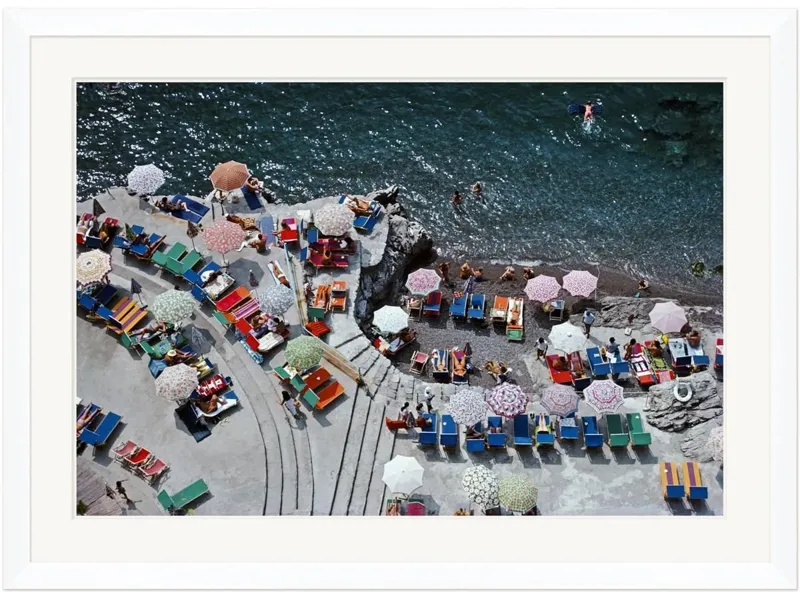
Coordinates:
640 190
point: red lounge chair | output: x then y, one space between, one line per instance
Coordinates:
289 233
318 328
139 458
243 326
563 377
123 450
246 309
153 471
252 342
233 299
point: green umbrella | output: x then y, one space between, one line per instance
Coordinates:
303 352
518 494
173 306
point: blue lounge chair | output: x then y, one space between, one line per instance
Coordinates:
458 308
475 445
199 294
596 363
591 434
620 367
143 250
87 302
365 223
701 361
102 431
312 235
253 201
449 435
477 306
429 435
522 433
433 304
193 277
496 440
544 437
568 429
267 227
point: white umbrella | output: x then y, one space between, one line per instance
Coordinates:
176 382
276 300
605 396
668 317
468 406
482 486
92 267
145 179
390 319
567 338
403 475
580 283
333 220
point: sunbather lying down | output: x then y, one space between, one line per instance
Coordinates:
171 205
86 418
211 404
459 365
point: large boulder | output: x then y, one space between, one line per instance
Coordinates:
385 196
666 412
615 311
694 442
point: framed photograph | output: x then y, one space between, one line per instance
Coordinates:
341 264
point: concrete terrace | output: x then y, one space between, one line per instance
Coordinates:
259 460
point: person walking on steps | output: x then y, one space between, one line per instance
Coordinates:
588 321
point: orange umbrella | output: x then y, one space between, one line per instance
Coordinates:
230 175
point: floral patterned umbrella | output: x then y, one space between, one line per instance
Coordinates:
403 475
390 319
605 396
276 300
567 338
668 317
230 175
508 400
542 288
333 219
518 493
423 281
173 306
176 382
303 352
482 486
560 400
92 266
580 283
223 236
145 179
468 406
716 442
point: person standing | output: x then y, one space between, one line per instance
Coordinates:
588 321
429 399
288 403
121 491
541 348
444 271
612 347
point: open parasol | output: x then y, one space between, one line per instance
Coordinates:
668 317
517 493
605 396
303 352
276 300
223 237
390 319
176 382
507 400
403 475
92 267
173 306
542 288
482 486
468 406
145 179
423 281
567 337
580 283
333 219
230 175
560 400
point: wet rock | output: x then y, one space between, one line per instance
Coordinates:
385 196
614 311
693 444
666 412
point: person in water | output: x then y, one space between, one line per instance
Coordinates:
587 114
456 198
477 188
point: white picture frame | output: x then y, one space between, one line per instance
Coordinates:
23 347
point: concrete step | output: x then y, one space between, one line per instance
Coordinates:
366 459
354 348
376 488
366 360
351 453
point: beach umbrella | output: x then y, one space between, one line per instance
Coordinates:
303 352
580 283
276 300
333 219
715 443
423 281
223 237
560 400
145 179
468 406
230 175
567 338
390 319
403 475
517 493
668 317
542 288
507 400
605 396
176 382
92 267
97 209
173 306
481 486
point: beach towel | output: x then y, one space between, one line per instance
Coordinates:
253 201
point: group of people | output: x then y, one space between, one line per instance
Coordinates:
266 323
457 200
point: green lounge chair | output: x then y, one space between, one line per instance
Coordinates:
616 431
183 497
175 252
188 262
636 430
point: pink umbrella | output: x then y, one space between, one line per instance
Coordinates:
508 400
542 288
580 282
668 317
423 281
223 237
560 400
604 396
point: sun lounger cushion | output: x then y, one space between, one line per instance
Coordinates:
616 431
476 444
670 481
591 434
636 430
458 307
449 435
522 435
102 430
495 440
544 437
429 434
189 494
568 429
693 481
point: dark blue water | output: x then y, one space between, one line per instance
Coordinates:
640 190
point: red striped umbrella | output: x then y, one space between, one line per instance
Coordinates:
223 237
580 282
230 175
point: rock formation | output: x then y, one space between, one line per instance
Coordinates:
614 312
693 444
667 413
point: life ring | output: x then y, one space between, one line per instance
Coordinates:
677 393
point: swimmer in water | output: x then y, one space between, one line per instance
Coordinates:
456 198
587 115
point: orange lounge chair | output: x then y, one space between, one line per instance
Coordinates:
338 298
126 314
318 328
499 309
316 379
319 306
329 394
233 299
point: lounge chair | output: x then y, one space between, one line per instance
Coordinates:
267 227
194 277
415 508
231 400
183 497
246 309
499 312
719 354
495 440
440 365
320 400
475 445
617 437
556 311
418 362
433 304
125 315
568 429
592 438
312 235
145 251
338 299
544 430
449 435
477 307
577 373
319 306
140 457
233 299
661 369
277 273
641 369
693 481
522 433
365 224
152 472
458 307
336 261
187 262
563 377
429 435
458 356
597 365
515 327
123 450
636 431
415 305
671 486
175 252
318 328
289 234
